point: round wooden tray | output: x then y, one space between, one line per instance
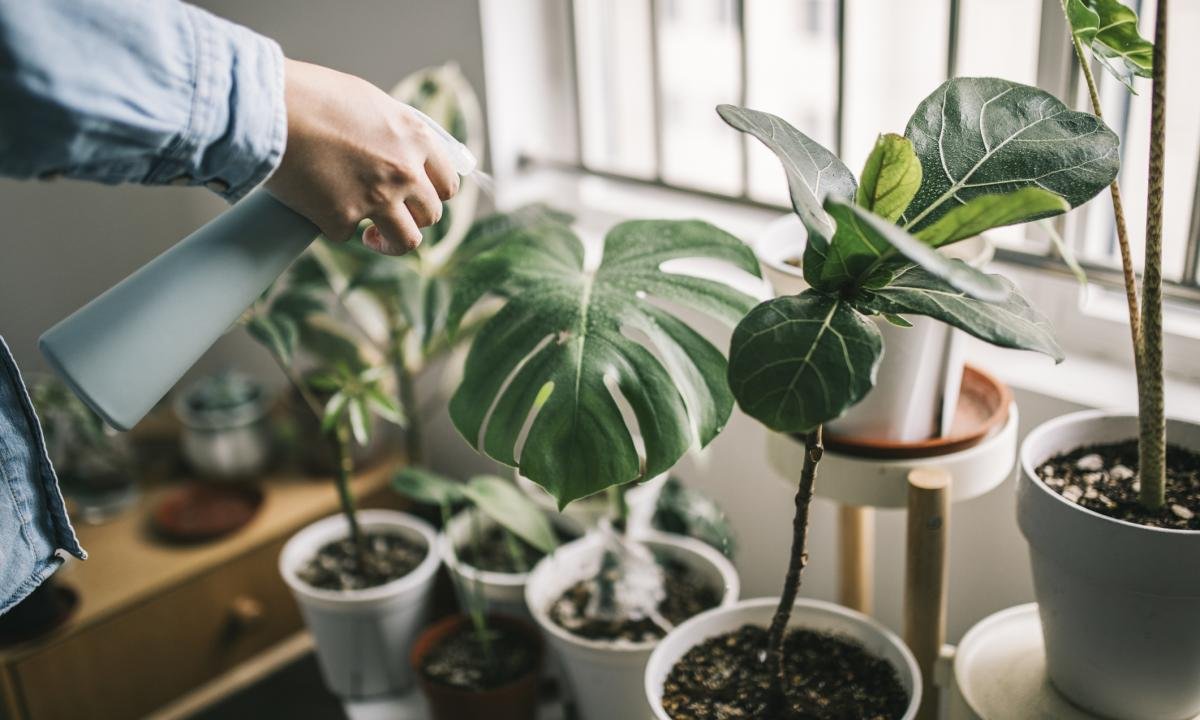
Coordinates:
982 409
197 512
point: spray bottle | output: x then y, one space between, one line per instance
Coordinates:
123 351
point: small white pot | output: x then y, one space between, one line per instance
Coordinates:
922 366
605 677
364 636
1119 602
504 592
808 614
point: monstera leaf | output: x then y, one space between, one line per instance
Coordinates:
1110 29
542 367
985 136
801 360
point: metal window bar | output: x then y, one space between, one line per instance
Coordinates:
1056 73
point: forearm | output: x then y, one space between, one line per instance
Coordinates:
148 91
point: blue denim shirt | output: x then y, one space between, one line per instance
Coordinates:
145 91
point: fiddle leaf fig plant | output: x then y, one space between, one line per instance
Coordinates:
570 340
978 153
1110 30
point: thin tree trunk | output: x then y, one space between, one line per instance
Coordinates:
1152 440
813 449
407 391
343 472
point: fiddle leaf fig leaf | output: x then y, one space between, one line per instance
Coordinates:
981 136
800 360
1110 30
512 510
1011 322
864 242
813 173
566 332
890 177
991 211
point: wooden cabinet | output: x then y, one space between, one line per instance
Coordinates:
156 621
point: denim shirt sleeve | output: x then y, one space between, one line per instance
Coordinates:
148 91
33 519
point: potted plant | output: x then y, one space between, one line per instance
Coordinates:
97 466
225 431
483 662
799 361
1109 508
546 386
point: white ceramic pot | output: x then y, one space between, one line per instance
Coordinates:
363 637
1119 602
605 677
809 614
504 592
921 370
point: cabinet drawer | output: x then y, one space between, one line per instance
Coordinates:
154 652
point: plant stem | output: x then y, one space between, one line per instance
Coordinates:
618 507
1131 290
345 469
407 391
1152 424
813 449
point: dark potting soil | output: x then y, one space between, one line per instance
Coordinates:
1103 478
492 553
389 556
685 595
827 678
461 660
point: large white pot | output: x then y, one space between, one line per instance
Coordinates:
606 677
504 592
921 370
363 637
1119 602
808 614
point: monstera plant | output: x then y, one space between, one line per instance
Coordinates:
978 153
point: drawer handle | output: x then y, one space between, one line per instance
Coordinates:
245 613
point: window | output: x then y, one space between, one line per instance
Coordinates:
649 72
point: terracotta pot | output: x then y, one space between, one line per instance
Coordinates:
514 701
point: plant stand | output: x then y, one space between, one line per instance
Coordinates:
926 485
998 672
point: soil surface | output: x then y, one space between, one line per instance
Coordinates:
461 660
827 678
492 553
1103 478
389 556
686 595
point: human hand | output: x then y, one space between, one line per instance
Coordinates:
353 152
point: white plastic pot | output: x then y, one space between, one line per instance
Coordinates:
809 614
1119 602
921 370
363 637
606 677
504 592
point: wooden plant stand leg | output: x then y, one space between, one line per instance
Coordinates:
925 575
856 557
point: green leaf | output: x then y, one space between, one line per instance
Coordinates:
890 177
1010 323
813 173
1110 29
982 136
428 488
296 304
684 511
565 331
490 232
897 320
307 273
360 420
512 509
801 360
331 346
335 410
859 228
277 332
985 212
384 405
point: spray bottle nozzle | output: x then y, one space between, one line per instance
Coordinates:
463 160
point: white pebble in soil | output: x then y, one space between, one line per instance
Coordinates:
1120 473
1090 463
1072 493
1182 513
